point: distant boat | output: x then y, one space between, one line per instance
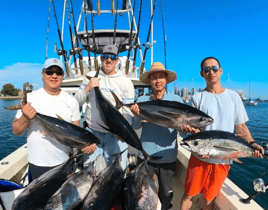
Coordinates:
259 100
250 102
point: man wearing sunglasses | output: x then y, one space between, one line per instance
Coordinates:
206 175
45 153
109 80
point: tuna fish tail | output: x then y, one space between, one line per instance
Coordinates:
23 101
150 157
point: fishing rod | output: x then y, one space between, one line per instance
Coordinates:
136 39
164 34
81 65
89 7
72 52
115 23
48 18
258 183
147 45
62 51
96 64
130 41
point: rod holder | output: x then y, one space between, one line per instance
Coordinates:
81 65
142 67
68 74
127 67
98 7
112 7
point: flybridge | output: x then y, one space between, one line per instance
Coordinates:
104 37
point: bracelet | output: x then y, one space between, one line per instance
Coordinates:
252 142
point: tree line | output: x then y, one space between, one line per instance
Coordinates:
9 90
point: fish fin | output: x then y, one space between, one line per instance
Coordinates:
171 115
60 118
225 148
238 161
118 103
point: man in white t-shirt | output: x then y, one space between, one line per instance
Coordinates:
45 153
206 175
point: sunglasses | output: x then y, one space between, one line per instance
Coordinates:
106 56
208 68
51 72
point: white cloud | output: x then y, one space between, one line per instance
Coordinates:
19 73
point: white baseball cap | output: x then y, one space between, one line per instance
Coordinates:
53 62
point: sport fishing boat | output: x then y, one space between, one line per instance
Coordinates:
14 167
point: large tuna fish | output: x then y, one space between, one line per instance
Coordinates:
37 193
218 144
106 189
170 114
116 123
74 190
140 191
63 132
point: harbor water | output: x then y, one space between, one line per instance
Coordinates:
241 174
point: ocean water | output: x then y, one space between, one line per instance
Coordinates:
241 174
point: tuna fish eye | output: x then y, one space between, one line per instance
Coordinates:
196 143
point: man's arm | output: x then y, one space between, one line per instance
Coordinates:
19 125
243 132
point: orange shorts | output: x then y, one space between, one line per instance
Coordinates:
206 178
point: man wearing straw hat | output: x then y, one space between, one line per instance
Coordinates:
157 140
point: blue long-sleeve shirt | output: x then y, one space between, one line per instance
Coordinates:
157 140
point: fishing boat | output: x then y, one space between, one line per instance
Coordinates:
250 102
14 167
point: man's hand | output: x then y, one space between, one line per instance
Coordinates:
28 111
94 82
259 152
135 109
89 149
190 129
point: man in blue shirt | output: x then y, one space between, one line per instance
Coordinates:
157 140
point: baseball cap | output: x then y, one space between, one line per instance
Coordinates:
53 62
112 49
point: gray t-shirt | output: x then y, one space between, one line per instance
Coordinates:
227 110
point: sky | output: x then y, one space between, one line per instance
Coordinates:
234 31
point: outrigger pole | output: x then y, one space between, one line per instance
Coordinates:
130 40
96 64
89 7
115 23
62 51
136 39
81 65
147 44
72 52
164 34
48 19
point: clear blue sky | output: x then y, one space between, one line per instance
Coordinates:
236 32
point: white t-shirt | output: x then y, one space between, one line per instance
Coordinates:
227 110
42 150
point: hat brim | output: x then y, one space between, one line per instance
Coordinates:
171 75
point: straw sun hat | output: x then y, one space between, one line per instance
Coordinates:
158 67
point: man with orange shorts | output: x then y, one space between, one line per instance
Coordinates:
206 175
